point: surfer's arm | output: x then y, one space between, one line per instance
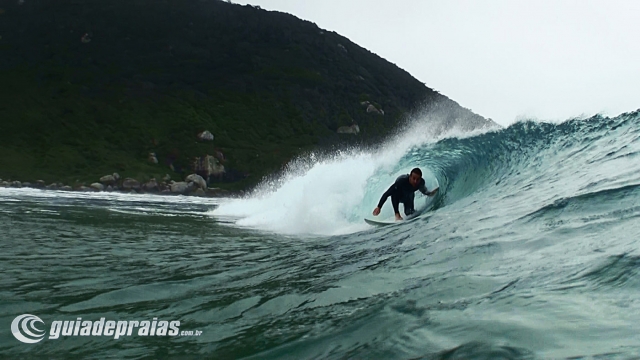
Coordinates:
423 189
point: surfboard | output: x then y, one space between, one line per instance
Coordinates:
391 220
381 223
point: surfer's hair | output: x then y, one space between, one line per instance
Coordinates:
417 171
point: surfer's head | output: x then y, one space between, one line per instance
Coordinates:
414 177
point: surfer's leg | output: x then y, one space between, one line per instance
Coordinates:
408 204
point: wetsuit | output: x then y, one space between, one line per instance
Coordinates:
402 192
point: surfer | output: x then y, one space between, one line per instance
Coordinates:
402 191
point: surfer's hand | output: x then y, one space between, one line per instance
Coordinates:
398 217
376 211
433 192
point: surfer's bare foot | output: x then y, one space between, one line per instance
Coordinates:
376 211
398 217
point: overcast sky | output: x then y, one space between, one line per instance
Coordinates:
503 59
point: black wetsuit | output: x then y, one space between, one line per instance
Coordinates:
402 192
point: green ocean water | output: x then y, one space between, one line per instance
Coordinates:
530 250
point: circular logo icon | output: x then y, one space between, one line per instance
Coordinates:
23 329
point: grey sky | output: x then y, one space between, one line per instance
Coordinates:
503 59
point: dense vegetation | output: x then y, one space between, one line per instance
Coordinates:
89 87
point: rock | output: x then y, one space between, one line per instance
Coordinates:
52 186
191 187
130 184
179 187
353 129
108 180
202 184
372 109
205 136
97 186
84 188
162 186
4 184
66 188
116 176
39 184
152 158
26 184
16 184
109 188
151 185
165 192
199 192
166 178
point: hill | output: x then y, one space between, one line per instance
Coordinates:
89 87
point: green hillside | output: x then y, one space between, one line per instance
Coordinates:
91 87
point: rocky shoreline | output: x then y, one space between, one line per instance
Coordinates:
193 185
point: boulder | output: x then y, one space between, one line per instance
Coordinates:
97 186
219 155
191 187
116 176
179 187
130 184
66 188
205 136
16 184
4 184
109 188
26 184
151 185
108 180
152 158
353 129
198 180
163 186
372 109
166 178
39 184
199 192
